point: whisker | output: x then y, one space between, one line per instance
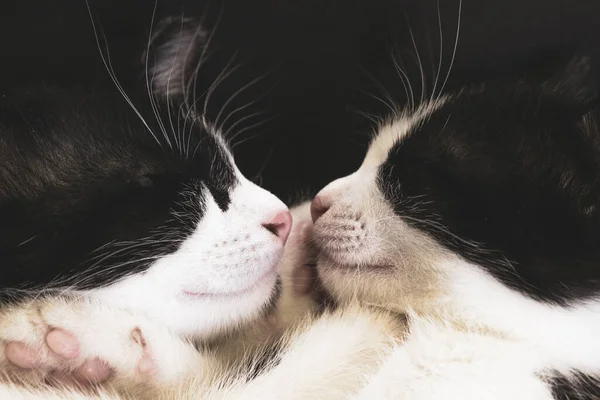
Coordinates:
437 76
385 92
178 145
250 127
371 117
201 61
407 86
258 177
232 127
455 45
227 72
186 83
112 75
150 82
412 37
232 97
83 280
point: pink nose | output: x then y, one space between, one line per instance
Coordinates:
280 225
319 206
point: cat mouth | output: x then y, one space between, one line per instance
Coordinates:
270 274
329 263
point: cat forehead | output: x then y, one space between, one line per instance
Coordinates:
218 140
223 169
484 116
77 137
397 129
174 139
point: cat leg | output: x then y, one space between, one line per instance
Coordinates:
438 362
329 358
56 337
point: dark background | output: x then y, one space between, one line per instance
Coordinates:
324 59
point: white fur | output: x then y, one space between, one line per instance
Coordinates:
14 392
102 331
440 362
330 358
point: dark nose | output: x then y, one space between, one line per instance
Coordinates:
280 225
319 206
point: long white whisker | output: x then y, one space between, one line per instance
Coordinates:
241 108
189 136
233 96
201 61
225 73
232 127
86 278
382 101
156 111
373 118
455 45
150 82
178 144
250 127
412 37
125 249
437 76
407 87
386 94
258 177
186 83
113 76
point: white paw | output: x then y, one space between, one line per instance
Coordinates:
79 338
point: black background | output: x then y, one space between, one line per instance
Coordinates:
324 60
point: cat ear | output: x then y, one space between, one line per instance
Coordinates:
576 83
174 47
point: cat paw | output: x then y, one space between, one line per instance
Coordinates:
297 269
298 273
78 340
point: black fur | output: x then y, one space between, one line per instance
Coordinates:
578 386
318 76
87 195
508 176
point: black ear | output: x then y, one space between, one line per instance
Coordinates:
576 82
173 52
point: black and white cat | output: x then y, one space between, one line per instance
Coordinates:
124 210
473 213
125 215
474 216
129 212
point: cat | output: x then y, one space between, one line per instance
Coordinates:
98 203
476 215
119 213
222 368
441 225
473 216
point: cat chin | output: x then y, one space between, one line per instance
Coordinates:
224 274
199 316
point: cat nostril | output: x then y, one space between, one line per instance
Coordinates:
280 225
319 206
